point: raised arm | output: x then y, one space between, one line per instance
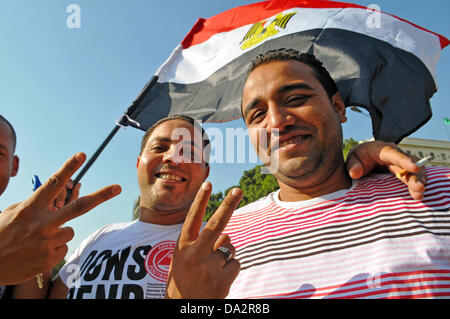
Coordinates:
32 240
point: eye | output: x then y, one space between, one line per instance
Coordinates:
257 116
191 153
158 148
296 99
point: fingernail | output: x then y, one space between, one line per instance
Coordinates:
116 190
235 192
79 157
355 169
206 186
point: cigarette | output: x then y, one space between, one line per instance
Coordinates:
419 163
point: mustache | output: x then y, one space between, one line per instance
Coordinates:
271 141
168 167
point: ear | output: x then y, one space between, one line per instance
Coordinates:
207 171
339 107
138 160
15 166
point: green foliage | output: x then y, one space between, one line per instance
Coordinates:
214 203
253 184
349 143
57 268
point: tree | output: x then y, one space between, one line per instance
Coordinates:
349 143
253 184
57 268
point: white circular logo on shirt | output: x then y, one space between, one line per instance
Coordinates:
157 261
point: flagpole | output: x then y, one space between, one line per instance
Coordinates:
124 121
96 154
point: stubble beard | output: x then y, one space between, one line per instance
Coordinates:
310 170
165 203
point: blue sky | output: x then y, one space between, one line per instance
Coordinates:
63 89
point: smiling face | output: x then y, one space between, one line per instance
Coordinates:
286 97
170 171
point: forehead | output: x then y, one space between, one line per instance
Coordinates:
174 130
279 72
6 137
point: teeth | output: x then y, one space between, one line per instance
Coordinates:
292 140
170 177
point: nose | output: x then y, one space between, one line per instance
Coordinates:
172 156
278 118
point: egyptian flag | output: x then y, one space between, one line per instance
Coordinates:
379 61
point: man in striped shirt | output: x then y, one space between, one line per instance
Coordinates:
322 234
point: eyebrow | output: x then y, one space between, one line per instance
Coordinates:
166 139
250 107
160 139
295 86
283 89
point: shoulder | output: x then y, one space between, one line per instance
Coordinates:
434 174
437 178
103 236
248 214
438 174
110 229
438 181
107 233
258 204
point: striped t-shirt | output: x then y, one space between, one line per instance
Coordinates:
370 241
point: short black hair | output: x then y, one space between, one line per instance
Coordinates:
13 132
188 119
321 73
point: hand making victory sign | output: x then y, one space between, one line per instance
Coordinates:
203 265
32 239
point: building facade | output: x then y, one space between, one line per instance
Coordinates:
423 147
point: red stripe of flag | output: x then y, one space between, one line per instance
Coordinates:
256 12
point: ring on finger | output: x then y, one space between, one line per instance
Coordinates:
226 253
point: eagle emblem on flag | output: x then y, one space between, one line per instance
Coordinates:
259 33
